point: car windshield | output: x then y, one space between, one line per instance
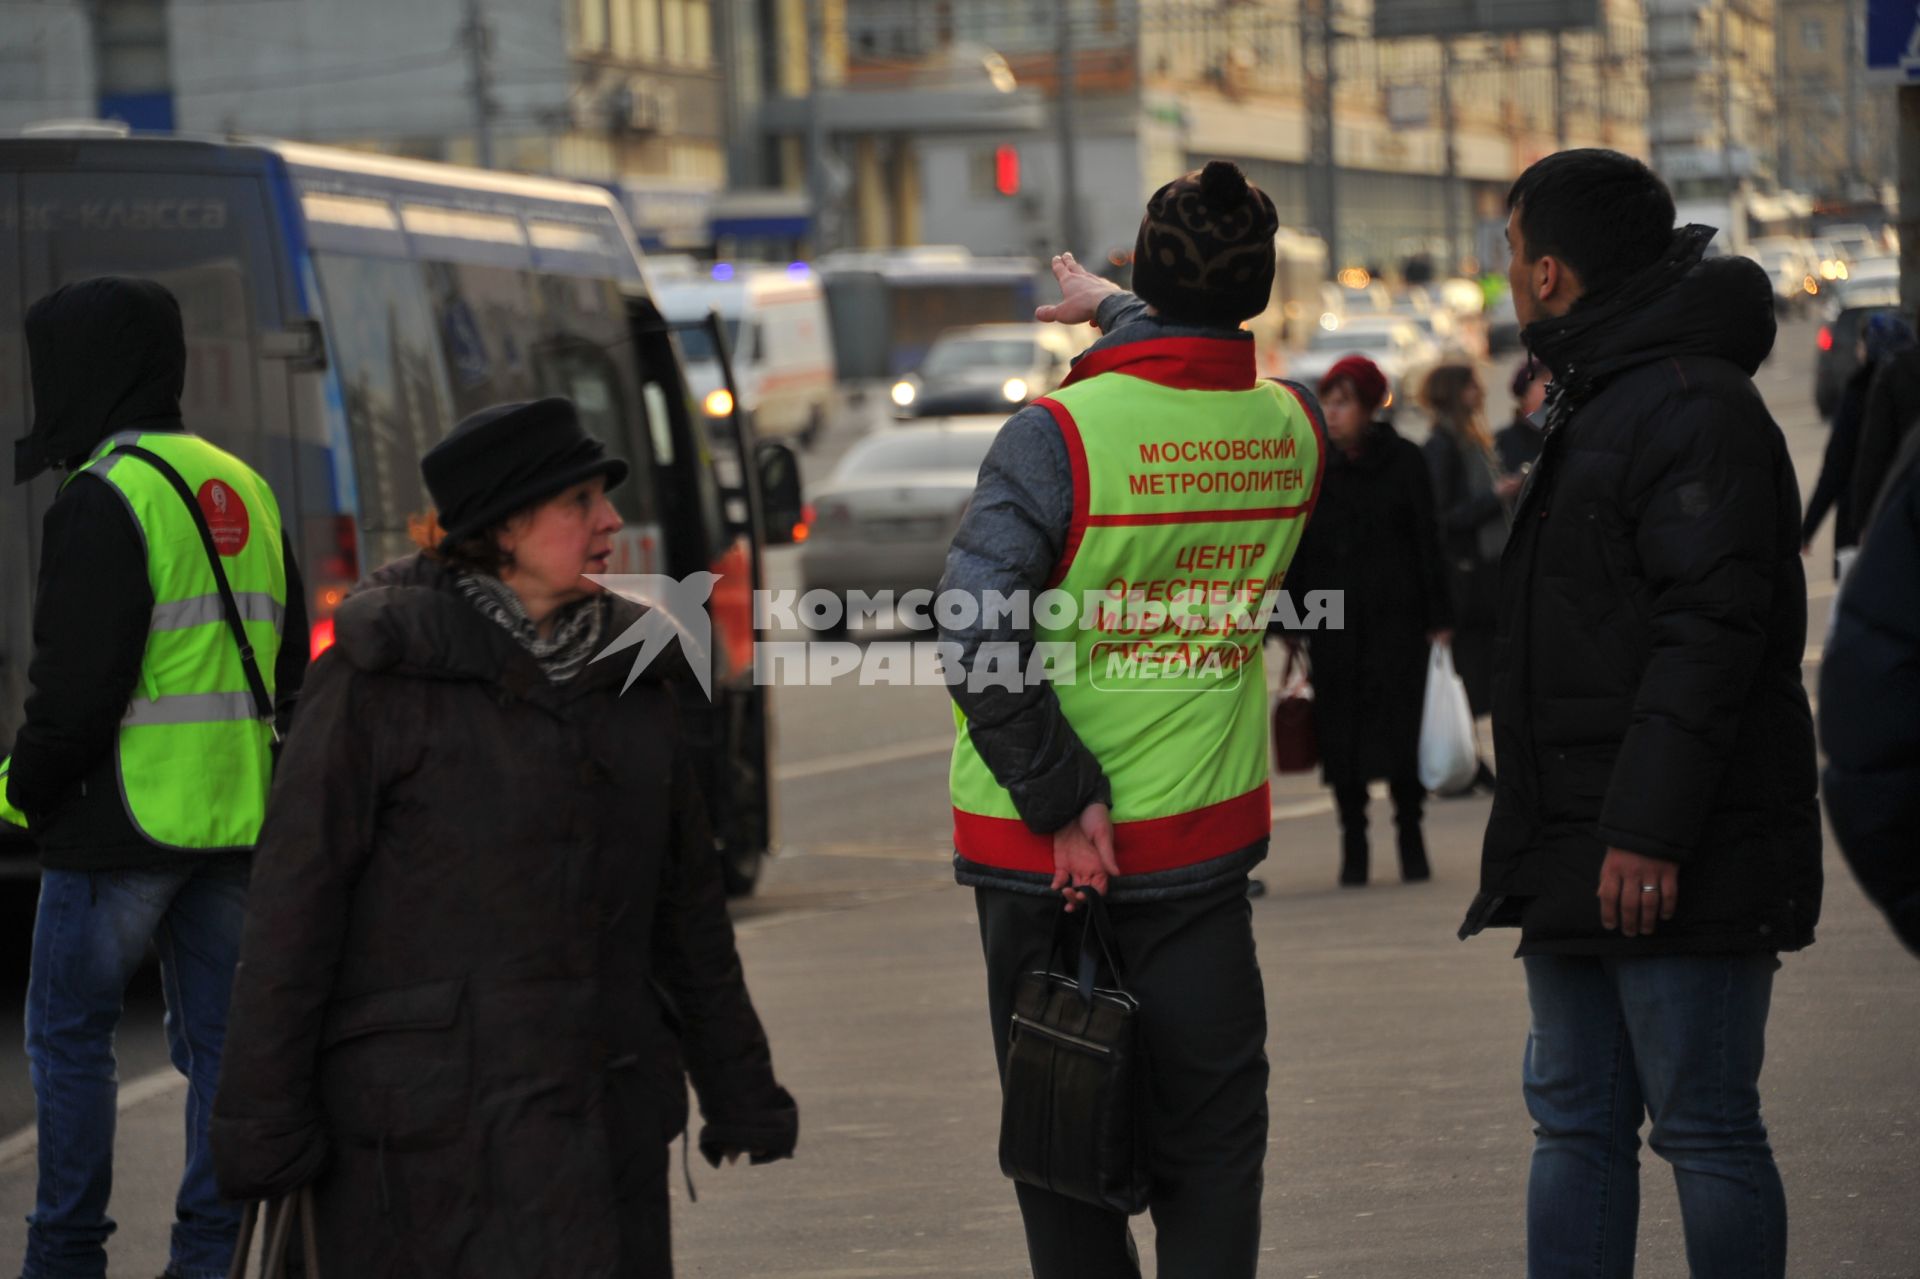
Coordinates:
697 344
1353 340
965 355
917 451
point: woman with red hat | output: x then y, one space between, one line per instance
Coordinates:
1375 537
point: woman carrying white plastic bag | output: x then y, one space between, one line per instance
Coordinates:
1449 755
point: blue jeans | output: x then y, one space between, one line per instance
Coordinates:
1680 1039
88 939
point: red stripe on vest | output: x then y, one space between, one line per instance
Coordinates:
1199 517
1141 848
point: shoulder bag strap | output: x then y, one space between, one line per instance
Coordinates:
262 701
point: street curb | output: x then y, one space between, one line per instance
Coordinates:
17 1146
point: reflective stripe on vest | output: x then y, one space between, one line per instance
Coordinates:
194 758
200 610
8 813
1192 486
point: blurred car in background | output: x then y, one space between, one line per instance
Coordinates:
1838 355
886 516
1403 352
988 368
1788 264
779 340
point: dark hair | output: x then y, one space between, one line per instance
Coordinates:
1604 214
479 553
1444 396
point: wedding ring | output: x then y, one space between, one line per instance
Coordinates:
1649 888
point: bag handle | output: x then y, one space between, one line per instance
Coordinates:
262 700
281 1215
1098 930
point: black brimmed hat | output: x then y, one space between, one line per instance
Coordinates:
508 457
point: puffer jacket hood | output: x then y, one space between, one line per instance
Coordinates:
106 355
1683 305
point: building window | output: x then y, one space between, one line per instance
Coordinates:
1813 35
590 25
636 29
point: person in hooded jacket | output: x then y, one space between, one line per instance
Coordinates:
141 795
1870 710
1882 337
1655 834
488 922
1373 536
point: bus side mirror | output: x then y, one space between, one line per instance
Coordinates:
780 501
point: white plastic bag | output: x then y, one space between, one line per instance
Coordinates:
1449 756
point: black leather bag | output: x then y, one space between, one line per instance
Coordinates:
1075 1083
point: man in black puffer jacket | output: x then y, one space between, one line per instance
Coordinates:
1655 833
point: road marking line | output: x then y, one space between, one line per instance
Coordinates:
144 1089
915 748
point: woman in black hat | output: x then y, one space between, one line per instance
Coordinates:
487 931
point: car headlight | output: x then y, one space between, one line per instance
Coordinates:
1015 390
903 393
720 402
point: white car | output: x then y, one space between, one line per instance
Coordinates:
782 348
1789 264
884 519
1393 342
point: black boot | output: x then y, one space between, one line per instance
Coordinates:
1353 857
1352 803
1414 868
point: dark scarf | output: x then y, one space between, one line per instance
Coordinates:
576 634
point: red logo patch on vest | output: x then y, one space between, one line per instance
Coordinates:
226 516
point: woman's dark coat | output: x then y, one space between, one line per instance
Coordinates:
1870 710
1834 489
474 898
1473 580
1648 693
1372 535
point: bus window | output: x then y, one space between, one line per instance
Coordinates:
586 354
203 237
394 386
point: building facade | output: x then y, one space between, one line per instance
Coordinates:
1836 132
1159 86
1712 72
628 93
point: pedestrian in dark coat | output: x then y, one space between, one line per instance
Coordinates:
1374 537
1518 442
1892 411
1654 834
1870 710
1883 337
1470 494
486 898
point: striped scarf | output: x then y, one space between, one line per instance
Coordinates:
575 636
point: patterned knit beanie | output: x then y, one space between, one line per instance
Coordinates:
1205 252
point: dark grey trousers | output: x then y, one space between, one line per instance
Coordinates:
1203 1014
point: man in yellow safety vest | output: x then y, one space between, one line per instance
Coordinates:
159 677
1144 514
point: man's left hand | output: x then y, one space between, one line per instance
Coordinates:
1637 892
1081 293
1083 855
